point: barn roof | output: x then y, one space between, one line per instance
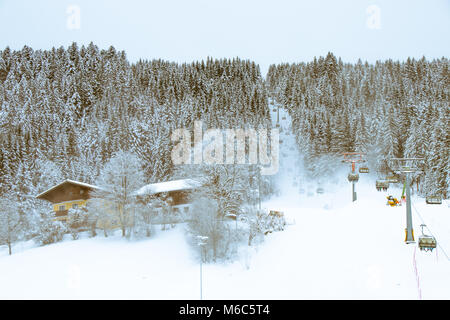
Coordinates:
174 185
78 183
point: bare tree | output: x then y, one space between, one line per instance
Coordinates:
204 222
227 185
10 223
121 176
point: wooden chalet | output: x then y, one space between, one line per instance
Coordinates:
66 195
176 192
74 194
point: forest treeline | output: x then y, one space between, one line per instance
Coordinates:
64 112
387 109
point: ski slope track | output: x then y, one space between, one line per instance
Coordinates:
333 249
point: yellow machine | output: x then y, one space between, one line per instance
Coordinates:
393 202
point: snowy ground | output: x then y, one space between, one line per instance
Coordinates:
335 249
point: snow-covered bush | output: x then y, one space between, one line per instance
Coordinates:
205 222
274 222
99 215
261 223
144 216
50 231
77 220
256 224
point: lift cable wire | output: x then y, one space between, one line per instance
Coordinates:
418 214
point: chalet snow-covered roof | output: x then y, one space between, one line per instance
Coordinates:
174 185
78 183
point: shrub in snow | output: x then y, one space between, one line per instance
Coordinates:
261 223
50 231
275 222
256 221
99 215
206 222
165 216
77 220
144 216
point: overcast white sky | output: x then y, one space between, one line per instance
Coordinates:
261 30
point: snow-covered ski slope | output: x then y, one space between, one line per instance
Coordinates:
334 249
354 250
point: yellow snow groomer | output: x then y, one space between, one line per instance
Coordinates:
393 202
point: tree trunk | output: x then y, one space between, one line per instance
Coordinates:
9 248
93 233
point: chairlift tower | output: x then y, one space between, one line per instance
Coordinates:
353 176
278 114
407 166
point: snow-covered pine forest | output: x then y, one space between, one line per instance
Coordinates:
389 109
90 115
74 113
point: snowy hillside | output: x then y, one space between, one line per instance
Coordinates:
333 249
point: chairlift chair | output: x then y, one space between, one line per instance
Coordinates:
426 242
381 185
433 200
393 179
353 177
364 170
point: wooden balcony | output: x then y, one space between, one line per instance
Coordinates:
61 213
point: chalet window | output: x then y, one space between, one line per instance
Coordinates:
62 208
